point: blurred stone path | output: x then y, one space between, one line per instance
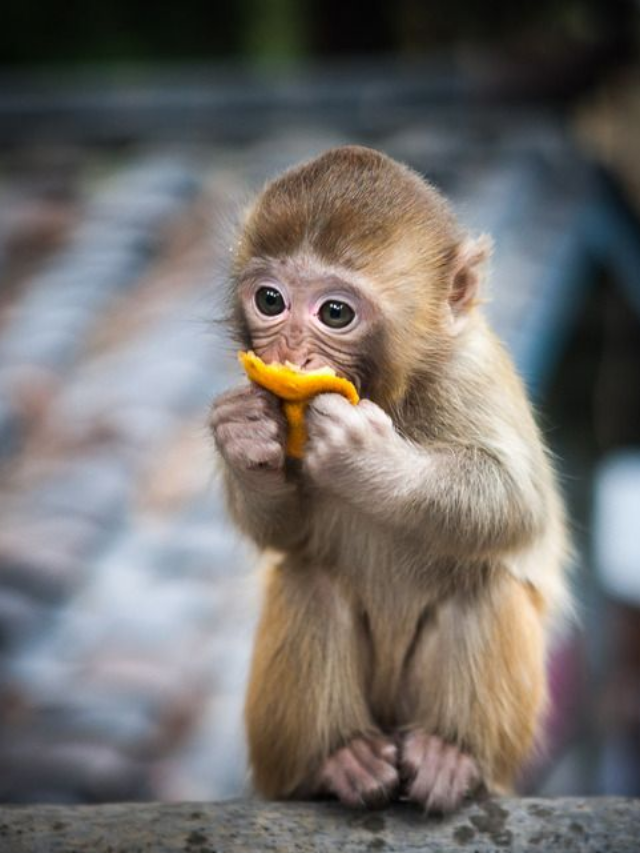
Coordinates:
127 603
122 620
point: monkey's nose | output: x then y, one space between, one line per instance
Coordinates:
301 360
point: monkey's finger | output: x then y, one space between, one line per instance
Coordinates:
248 423
375 414
239 408
441 797
333 417
234 394
248 391
246 429
273 403
345 787
252 455
385 749
270 404
244 406
467 780
426 776
458 776
340 777
413 755
366 786
331 406
327 433
372 408
377 767
261 454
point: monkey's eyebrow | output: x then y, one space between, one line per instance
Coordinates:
335 282
257 268
249 277
267 269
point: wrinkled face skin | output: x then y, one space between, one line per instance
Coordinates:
306 313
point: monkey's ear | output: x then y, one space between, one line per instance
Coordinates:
471 256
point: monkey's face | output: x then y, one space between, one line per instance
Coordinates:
353 261
310 315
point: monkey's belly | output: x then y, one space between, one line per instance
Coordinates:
371 559
396 592
387 586
392 639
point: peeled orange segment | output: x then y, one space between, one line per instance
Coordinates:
296 388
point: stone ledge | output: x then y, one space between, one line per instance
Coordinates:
571 824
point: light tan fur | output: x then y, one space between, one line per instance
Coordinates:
421 572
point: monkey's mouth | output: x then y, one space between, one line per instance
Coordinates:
323 370
314 365
293 386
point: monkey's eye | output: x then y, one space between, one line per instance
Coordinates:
269 301
336 314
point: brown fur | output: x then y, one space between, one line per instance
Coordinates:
418 593
357 209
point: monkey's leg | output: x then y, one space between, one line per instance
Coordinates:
476 690
309 727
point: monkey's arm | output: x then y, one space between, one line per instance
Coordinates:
271 517
470 500
249 431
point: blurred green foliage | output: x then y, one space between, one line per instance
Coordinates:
95 31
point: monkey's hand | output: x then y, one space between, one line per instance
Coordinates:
249 430
346 442
363 773
468 500
437 775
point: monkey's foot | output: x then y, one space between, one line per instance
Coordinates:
438 775
363 773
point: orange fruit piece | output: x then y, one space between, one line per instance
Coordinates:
296 387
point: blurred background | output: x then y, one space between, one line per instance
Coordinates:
127 140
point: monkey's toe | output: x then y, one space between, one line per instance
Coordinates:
362 774
438 775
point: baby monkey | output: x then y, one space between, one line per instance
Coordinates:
421 538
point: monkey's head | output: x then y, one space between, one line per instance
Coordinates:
353 261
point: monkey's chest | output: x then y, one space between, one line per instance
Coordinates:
385 576
372 559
